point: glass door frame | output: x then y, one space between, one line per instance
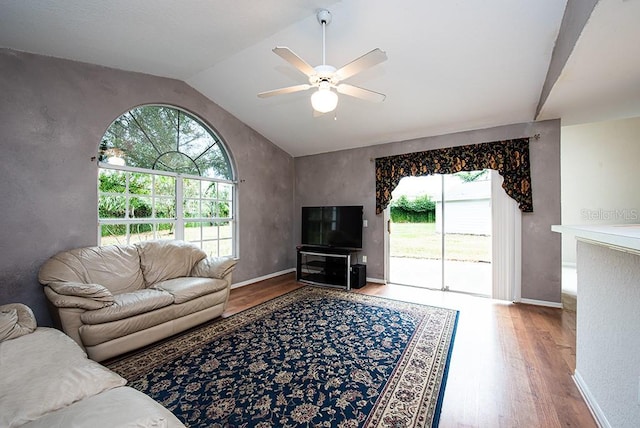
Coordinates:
442 284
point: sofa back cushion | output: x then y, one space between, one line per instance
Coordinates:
167 259
116 267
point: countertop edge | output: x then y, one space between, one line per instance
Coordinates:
624 237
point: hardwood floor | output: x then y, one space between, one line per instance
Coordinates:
511 365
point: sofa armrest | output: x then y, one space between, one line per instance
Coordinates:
214 267
16 319
76 295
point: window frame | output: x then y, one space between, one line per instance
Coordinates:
179 220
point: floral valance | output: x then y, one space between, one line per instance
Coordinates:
510 158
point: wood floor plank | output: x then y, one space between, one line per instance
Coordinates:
511 364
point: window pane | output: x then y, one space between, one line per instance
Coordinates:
165 138
165 231
111 181
191 188
226 248
229 207
209 231
165 186
112 206
214 163
225 191
209 190
140 207
176 162
165 208
225 229
225 196
223 210
207 209
139 183
191 208
113 234
192 231
139 232
211 248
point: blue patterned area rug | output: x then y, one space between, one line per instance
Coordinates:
315 357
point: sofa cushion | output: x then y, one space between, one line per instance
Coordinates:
126 305
118 407
188 288
167 259
117 267
8 322
62 301
96 334
34 383
90 291
16 319
214 267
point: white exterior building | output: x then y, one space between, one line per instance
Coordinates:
467 209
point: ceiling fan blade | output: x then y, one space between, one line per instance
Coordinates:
357 92
287 90
367 60
293 59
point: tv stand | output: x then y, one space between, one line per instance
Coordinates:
324 266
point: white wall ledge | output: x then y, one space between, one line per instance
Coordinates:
621 237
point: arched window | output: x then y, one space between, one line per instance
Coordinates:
163 174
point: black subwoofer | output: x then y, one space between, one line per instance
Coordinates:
358 276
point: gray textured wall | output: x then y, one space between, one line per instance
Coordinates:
607 342
52 115
54 112
348 177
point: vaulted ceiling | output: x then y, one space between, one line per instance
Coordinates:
452 65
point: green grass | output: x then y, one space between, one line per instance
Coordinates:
420 240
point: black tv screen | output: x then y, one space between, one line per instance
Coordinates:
332 226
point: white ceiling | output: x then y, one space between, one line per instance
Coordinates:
453 65
601 79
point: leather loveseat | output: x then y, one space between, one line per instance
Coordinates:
46 380
114 299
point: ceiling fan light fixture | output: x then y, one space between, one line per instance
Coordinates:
325 77
324 100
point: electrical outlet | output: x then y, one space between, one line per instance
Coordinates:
365 223
364 259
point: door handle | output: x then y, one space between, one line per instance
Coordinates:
389 227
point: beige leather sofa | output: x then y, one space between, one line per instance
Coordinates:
46 380
118 298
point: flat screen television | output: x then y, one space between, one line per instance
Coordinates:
332 226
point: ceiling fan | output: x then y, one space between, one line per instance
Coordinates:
326 77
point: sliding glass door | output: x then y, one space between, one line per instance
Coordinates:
414 240
440 232
467 232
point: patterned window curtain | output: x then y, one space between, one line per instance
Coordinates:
510 158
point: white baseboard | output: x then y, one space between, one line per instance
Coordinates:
541 303
262 278
283 272
592 404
